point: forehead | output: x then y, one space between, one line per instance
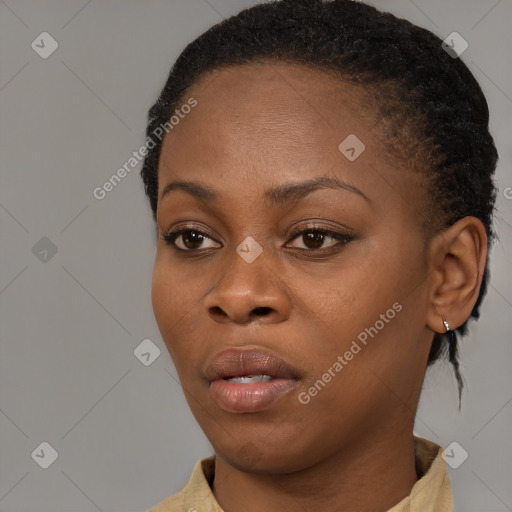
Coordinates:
279 95
286 113
269 80
261 125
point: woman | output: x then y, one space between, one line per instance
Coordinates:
324 201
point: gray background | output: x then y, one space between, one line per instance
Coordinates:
69 324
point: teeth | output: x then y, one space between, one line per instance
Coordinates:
249 379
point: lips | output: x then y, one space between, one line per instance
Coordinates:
249 380
240 363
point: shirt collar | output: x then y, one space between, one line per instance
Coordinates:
431 493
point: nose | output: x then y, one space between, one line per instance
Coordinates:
248 292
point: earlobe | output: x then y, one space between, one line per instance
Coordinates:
458 259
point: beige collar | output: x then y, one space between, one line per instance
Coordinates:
431 493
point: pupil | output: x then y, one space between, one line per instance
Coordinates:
315 238
194 237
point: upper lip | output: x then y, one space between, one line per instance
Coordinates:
239 362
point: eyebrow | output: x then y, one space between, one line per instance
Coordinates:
275 196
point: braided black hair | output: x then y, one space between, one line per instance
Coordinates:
432 110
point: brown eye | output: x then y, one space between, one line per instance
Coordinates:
314 239
190 239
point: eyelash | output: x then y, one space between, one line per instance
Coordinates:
343 238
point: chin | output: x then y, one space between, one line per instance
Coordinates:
249 459
265 454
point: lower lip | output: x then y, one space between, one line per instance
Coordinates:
252 397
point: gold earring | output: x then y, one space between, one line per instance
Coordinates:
446 324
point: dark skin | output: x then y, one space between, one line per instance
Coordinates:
351 446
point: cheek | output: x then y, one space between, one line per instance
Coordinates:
360 304
162 297
173 297
386 322
177 295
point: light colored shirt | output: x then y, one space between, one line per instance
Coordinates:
432 492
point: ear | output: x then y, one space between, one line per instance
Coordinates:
458 257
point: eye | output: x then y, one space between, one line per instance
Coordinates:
313 238
191 239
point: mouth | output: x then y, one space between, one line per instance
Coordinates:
249 380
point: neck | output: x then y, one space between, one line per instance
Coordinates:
375 474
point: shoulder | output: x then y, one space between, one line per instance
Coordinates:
170 504
432 491
196 490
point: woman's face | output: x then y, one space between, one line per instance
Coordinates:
337 321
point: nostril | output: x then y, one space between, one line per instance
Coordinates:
215 310
261 310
